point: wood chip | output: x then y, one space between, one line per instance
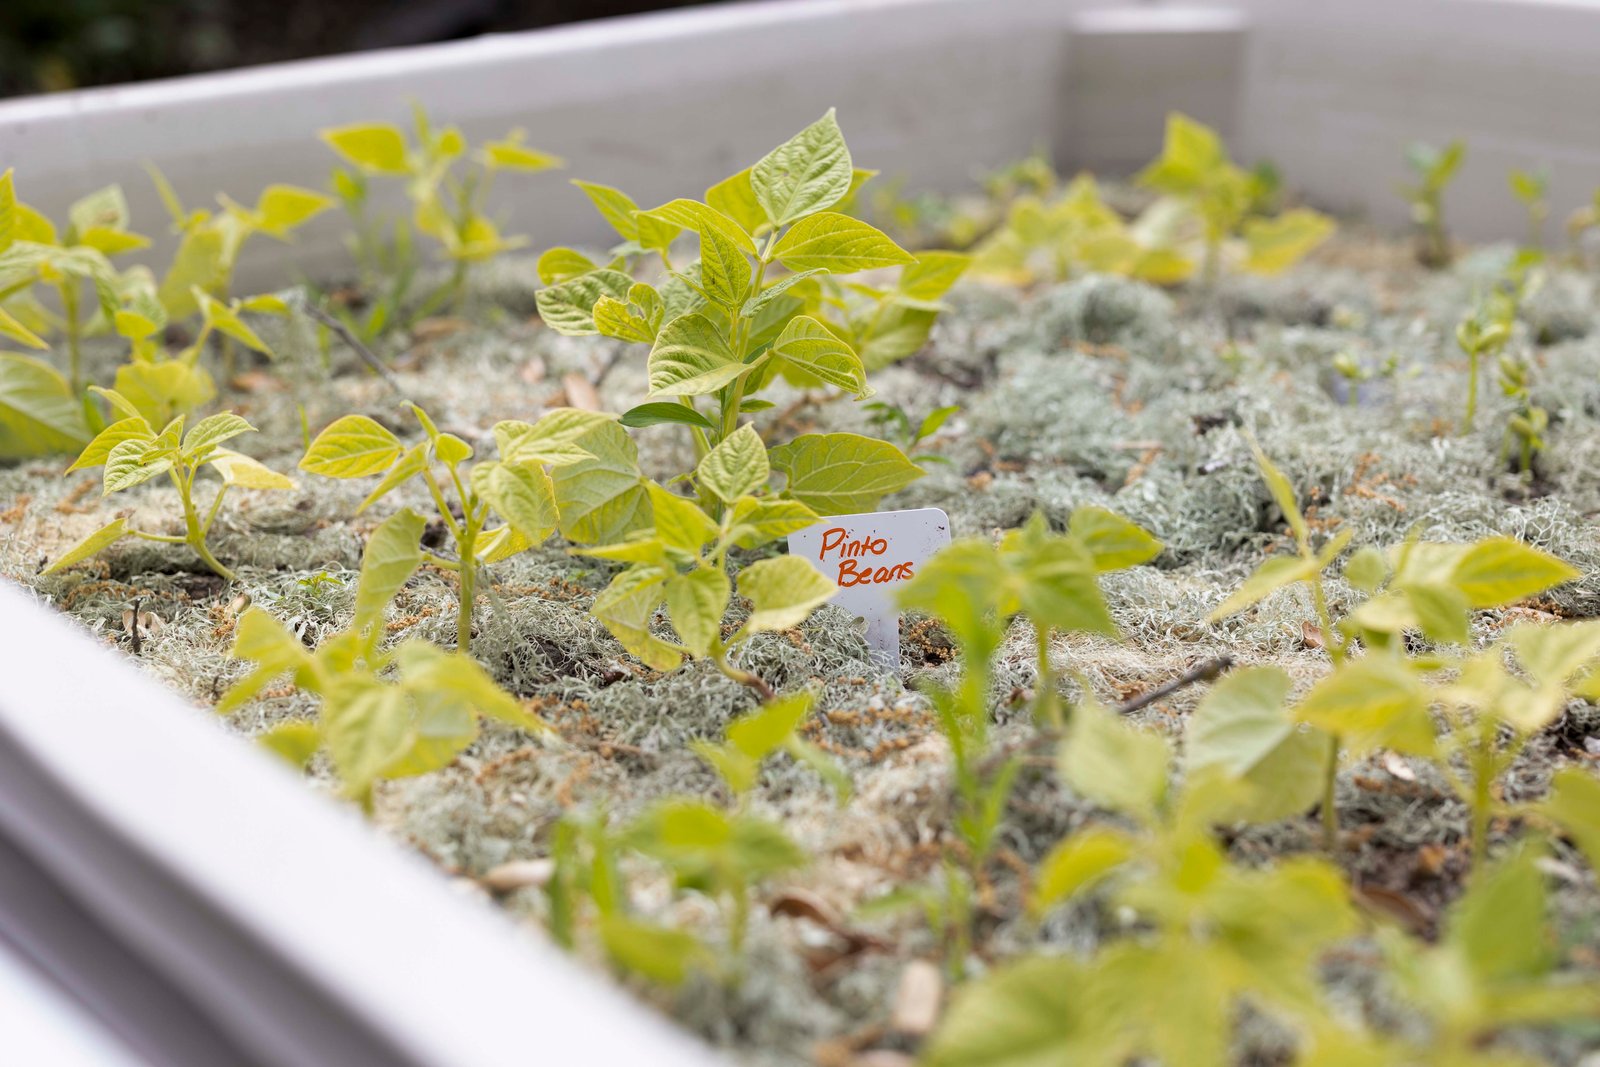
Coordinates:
150 623
917 1000
439 326
1381 901
533 371
1311 635
581 392
804 904
519 874
883 1057
255 381
1398 767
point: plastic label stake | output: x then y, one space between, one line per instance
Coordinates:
870 556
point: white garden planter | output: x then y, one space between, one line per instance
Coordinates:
270 927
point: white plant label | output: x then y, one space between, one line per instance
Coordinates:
870 556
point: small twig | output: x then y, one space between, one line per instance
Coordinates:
598 378
369 357
133 631
1205 672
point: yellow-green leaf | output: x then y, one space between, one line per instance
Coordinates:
246 473
295 741
512 154
133 462
783 592
521 494
12 327
392 555
1274 245
560 264
38 412
807 173
95 452
693 215
758 522
691 358
374 148
568 306
696 601
1244 728
353 446
1268 578
932 275
366 728
89 546
1503 570
679 522
810 346
1076 864
839 244
736 467
842 473
1114 763
735 197
603 498
725 273
282 208
1372 703
615 206
212 431
1112 540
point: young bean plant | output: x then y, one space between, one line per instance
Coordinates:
516 488
764 299
1435 168
33 253
1532 189
1484 332
682 561
976 588
384 712
132 453
1194 168
447 200
1377 701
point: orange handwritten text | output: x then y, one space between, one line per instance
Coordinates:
851 556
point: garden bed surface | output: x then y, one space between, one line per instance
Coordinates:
1098 391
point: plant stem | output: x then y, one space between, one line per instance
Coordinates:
1046 704
69 307
1330 801
1472 391
1482 797
467 572
742 676
195 533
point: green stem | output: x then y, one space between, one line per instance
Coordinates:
1482 797
165 539
1046 706
1472 391
439 502
69 306
211 515
719 656
738 924
1330 801
467 572
1330 639
195 534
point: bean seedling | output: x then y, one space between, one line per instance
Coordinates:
132 453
